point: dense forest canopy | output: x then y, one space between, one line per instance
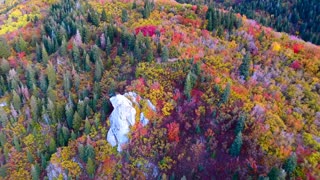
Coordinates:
297 17
214 93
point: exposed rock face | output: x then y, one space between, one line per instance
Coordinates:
123 116
54 171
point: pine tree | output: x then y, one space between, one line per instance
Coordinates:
51 76
90 168
274 173
30 157
98 71
165 54
44 55
290 164
245 66
82 152
52 146
87 127
16 143
16 101
5 48
210 24
240 124
134 4
75 53
87 63
104 15
4 67
89 153
188 86
63 48
124 15
225 95
76 122
69 115
108 46
149 55
236 145
35 172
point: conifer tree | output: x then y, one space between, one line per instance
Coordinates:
290 164
188 86
35 172
52 146
5 48
225 95
69 115
63 48
76 122
240 124
44 55
90 168
51 76
124 15
245 66
87 127
104 15
236 145
165 54
4 67
16 101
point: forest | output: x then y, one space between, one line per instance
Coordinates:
297 17
216 95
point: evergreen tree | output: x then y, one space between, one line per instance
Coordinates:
4 67
89 153
149 55
210 24
236 145
274 173
76 122
87 63
290 164
87 127
16 143
108 46
188 86
240 124
63 48
134 5
5 48
82 152
30 157
245 66
44 55
124 15
98 71
21 45
35 172
69 115
16 101
51 76
225 95
52 146
90 168
104 15
165 54
75 53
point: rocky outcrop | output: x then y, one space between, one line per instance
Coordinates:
123 117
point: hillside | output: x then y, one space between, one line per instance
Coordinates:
103 89
300 18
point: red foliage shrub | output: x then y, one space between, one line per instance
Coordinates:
173 132
70 46
194 8
146 30
297 48
296 65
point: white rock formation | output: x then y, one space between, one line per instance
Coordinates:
123 116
